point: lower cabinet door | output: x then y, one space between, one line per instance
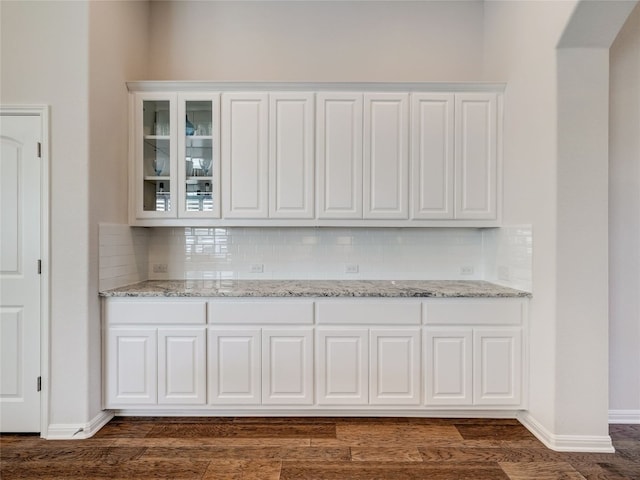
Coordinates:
182 366
497 364
343 366
131 375
234 366
394 366
287 366
448 366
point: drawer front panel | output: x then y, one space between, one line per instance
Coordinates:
473 312
156 312
260 312
368 313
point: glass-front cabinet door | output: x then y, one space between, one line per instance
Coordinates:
198 155
155 155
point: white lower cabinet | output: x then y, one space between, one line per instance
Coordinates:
287 366
131 366
182 366
395 366
474 353
497 361
345 354
342 366
234 366
448 366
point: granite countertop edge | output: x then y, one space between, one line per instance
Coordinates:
316 288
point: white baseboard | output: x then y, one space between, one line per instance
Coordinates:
567 443
624 416
78 431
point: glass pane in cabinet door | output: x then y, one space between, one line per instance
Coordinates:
199 166
156 151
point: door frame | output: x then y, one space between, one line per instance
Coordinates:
41 111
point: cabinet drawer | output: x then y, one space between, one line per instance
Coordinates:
260 312
375 312
135 311
473 312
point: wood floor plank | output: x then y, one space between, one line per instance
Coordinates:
540 471
243 453
214 442
257 430
491 432
389 470
243 470
385 454
75 453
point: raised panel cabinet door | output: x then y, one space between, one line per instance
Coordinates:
234 366
182 366
342 371
476 156
291 155
339 154
131 367
287 366
154 165
245 155
386 155
394 366
497 365
432 160
448 371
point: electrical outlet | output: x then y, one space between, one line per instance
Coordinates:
159 268
256 268
466 270
351 268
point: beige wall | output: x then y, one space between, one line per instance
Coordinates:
317 41
624 219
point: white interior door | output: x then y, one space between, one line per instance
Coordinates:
20 295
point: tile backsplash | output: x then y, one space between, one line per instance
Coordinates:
315 253
124 255
502 255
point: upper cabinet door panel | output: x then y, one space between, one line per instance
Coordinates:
476 156
386 155
245 153
155 155
432 143
339 147
291 151
198 155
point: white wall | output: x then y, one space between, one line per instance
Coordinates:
44 51
75 57
316 40
624 223
118 37
520 41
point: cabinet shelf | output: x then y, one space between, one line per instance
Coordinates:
156 178
157 137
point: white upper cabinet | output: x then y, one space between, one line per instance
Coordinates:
301 155
339 155
245 153
291 155
198 155
432 144
155 155
476 156
386 155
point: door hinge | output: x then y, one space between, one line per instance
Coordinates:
39 383
39 150
39 267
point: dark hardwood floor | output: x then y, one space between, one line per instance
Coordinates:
313 449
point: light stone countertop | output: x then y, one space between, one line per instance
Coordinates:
315 288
